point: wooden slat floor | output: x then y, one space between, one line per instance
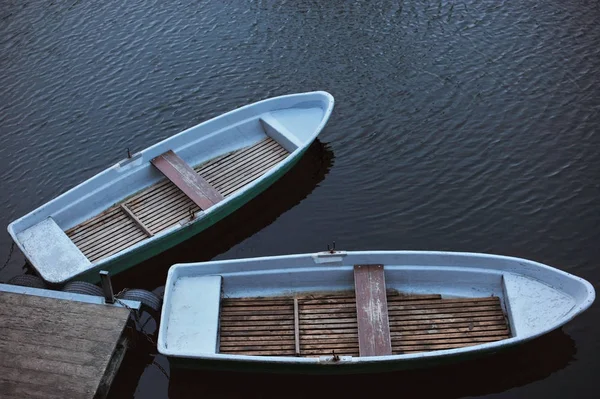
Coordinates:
328 323
54 348
163 205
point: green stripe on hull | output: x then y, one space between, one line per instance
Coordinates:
325 369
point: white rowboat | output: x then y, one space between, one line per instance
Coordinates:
170 191
349 312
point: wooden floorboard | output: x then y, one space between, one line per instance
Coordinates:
273 326
55 348
162 191
89 232
325 329
327 323
173 209
143 209
447 324
98 219
164 205
112 236
240 163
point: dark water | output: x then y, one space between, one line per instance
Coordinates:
467 126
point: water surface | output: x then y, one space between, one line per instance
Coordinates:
465 126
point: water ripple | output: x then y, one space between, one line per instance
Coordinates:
458 125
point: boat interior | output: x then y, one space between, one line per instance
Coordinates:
369 321
171 201
234 315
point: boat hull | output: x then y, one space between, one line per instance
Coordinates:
327 369
442 307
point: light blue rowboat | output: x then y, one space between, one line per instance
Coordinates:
131 212
354 312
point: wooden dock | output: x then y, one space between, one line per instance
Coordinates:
58 348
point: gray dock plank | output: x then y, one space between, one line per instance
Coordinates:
54 348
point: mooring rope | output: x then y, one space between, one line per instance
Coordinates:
12 248
136 317
154 362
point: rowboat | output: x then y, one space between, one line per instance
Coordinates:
360 312
170 191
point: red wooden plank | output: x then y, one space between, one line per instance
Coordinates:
183 176
371 309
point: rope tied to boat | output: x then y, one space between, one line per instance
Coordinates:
136 317
154 362
10 252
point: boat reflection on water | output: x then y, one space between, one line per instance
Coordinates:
257 214
532 361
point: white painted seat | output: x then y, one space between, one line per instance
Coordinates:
274 129
194 317
46 245
532 305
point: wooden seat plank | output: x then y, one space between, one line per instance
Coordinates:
372 313
183 176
